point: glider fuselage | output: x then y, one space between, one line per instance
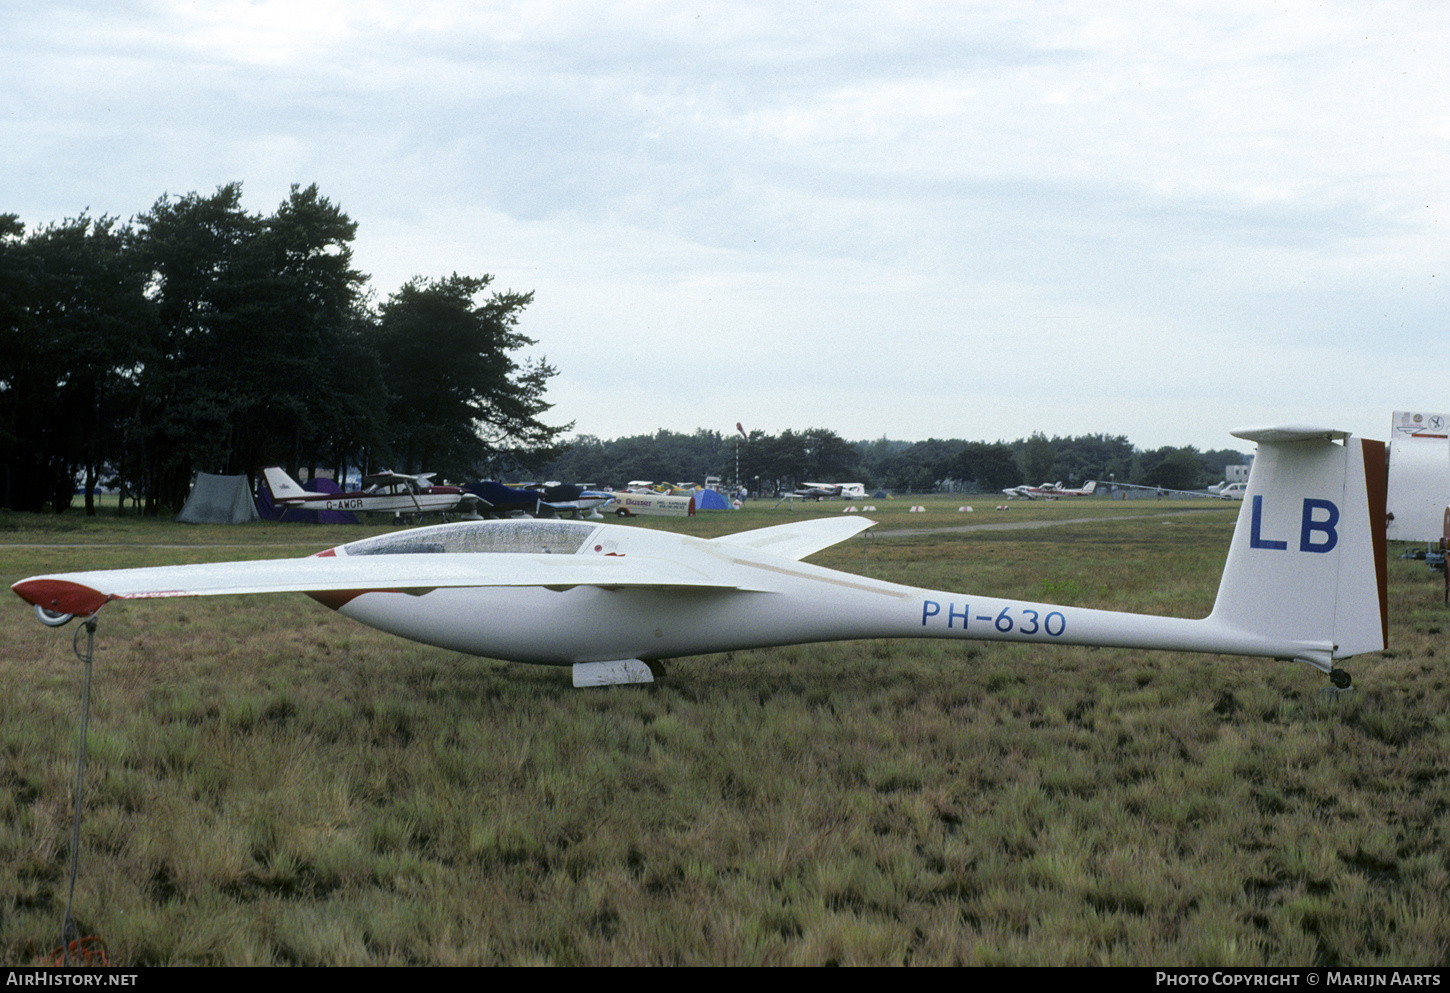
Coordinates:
756 599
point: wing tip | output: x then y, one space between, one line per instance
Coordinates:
61 596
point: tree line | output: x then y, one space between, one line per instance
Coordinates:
201 336
770 463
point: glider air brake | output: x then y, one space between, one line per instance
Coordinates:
1304 581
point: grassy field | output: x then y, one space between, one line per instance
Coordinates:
270 783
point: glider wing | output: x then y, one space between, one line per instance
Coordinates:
83 593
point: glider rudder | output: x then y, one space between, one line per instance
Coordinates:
1307 562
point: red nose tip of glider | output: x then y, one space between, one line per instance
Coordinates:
60 596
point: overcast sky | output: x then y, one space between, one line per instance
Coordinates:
934 219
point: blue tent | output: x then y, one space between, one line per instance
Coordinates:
711 500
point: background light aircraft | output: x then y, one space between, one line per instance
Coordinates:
383 492
1224 491
846 491
1050 491
565 498
547 500
1305 580
505 501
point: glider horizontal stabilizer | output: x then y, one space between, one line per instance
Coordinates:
802 538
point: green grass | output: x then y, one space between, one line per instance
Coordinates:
270 783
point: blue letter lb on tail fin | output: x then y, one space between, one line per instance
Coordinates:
1306 570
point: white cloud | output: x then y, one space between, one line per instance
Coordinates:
913 219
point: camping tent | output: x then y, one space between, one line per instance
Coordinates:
711 500
219 500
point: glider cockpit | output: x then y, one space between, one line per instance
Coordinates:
523 537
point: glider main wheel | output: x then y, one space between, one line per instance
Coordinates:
52 618
622 512
1340 679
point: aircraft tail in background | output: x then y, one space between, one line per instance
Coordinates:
284 488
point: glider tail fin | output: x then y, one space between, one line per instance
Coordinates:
284 488
1306 568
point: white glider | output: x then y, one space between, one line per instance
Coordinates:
1305 580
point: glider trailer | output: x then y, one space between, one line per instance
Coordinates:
1304 580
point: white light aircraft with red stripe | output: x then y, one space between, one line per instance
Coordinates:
396 493
1305 580
1051 491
